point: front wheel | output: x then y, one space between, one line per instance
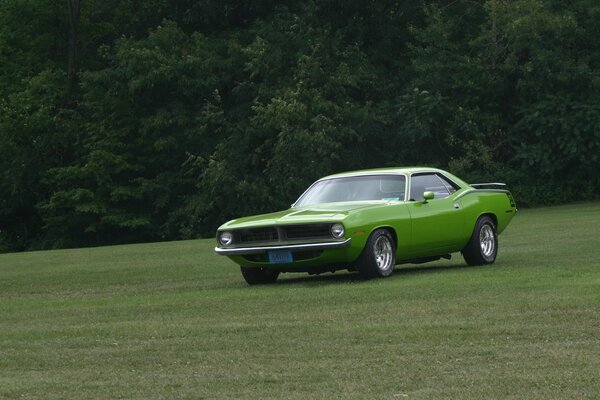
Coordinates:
379 255
483 245
257 275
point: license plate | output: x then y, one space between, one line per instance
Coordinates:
280 257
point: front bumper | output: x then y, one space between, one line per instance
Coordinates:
241 251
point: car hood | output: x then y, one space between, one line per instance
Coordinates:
328 212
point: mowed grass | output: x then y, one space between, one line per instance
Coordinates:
174 320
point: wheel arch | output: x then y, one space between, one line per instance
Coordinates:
392 232
492 216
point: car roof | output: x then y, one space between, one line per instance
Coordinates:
376 171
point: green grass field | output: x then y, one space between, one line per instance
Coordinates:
174 320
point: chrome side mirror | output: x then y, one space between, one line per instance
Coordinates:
428 196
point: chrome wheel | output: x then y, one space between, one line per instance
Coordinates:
482 248
384 253
487 241
378 258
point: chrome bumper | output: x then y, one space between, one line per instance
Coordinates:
240 251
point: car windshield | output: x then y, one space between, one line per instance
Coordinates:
355 188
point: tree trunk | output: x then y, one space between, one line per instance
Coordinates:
74 7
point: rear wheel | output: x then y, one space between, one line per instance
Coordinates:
257 275
379 255
483 245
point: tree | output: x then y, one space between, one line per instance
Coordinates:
156 102
74 7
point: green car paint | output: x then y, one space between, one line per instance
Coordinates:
420 228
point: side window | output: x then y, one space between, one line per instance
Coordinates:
451 186
422 183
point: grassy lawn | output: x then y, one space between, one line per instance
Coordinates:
174 320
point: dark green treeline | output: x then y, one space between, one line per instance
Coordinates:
125 121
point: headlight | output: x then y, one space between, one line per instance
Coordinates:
225 238
337 230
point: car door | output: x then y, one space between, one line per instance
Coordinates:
435 224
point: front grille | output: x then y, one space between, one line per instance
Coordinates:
258 235
311 231
283 233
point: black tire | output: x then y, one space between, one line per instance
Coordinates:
482 248
258 276
373 265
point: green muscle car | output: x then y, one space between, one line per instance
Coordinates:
369 221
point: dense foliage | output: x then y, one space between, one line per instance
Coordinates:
136 121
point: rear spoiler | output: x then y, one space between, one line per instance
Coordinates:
492 184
